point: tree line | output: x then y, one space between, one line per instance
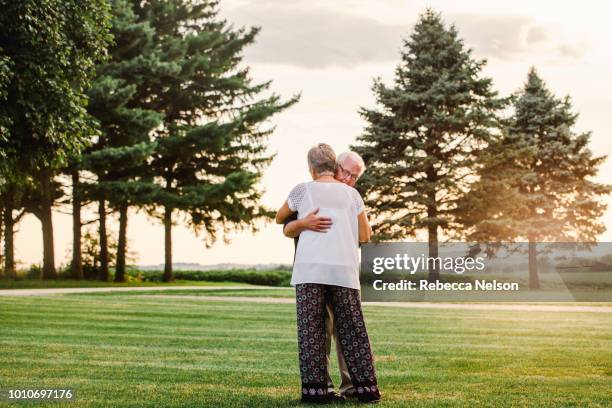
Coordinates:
146 105
446 153
142 104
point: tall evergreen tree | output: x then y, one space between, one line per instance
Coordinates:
423 143
132 186
536 184
117 100
485 211
52 47
211 148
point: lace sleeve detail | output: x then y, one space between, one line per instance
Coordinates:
296 196
359 205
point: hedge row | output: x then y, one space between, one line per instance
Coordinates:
275 277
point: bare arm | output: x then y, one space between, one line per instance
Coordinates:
283 213
311 222
365 231
293 229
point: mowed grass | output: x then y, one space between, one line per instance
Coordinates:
250 291
129 351
72 283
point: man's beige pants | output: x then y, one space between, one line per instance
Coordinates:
330 327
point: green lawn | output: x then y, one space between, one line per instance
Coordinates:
251 291
126 351
72 283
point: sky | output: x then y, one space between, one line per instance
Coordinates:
330 52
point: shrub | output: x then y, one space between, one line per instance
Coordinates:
275 277
34 272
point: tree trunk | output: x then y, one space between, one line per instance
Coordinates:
432 228
122 243
434 267
77 261
9 246
103 273
168 244
2 253
534 280
46 219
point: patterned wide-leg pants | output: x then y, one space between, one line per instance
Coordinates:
310 302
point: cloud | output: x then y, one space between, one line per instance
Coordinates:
572 50
317 38
536 34
313 35
513 37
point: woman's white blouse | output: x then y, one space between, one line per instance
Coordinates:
330 258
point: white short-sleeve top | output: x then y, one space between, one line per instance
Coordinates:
330 258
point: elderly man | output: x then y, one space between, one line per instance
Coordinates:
349 167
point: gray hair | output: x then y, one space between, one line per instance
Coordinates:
322 158
354 157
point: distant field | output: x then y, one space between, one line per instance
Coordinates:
126 351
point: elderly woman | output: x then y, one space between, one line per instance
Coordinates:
326 269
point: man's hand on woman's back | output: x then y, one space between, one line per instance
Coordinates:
310 222
313 223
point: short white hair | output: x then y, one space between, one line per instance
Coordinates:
354 157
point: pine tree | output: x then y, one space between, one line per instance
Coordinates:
211 147
129 161
422 145
537 184
486 211
117 102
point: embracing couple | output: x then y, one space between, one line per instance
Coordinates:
327 218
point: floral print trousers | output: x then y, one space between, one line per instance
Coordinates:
311 299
